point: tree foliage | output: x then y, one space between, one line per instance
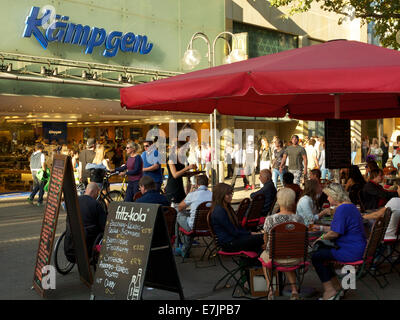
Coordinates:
384 13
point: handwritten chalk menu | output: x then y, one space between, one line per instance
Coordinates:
130 241
337 143
61 180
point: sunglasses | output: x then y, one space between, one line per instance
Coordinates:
146 146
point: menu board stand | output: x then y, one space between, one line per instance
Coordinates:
61 182
136 252
337 143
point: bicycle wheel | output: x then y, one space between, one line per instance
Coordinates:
61 263
115 195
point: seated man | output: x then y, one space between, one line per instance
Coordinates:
150 194
186 219
288 178
268 190
93 218
373 194
394 205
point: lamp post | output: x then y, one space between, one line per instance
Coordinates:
191 59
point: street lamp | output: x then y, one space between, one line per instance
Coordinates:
192 57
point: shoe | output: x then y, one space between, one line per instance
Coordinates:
30 201
247 187
39 204
253 187
334 297
295 296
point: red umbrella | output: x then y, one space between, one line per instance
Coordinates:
301 82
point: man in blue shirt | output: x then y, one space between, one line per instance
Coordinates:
185 219
150 194
151 163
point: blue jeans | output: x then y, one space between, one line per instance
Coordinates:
131 190
275 174
37 186
324 172
353 156
324 271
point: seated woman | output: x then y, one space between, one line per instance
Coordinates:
371 165
347 232
354 184
374 196
231 236
307 205
286 198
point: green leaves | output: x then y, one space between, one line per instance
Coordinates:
384 13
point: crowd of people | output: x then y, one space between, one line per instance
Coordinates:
292 163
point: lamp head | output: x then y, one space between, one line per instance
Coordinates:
191 58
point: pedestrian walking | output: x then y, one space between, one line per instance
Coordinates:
37 163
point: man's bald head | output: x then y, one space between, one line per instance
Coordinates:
92 190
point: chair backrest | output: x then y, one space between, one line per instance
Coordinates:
361 201
170 219
288 240
254 213
376 236
200 219
241 211
386 218
271 210
137 195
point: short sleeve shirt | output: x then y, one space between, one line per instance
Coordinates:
393 204
295 155
275 219
348 222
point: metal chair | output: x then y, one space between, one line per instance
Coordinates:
240 259
242 209
366 266
288 240
200 230
252 218
170 219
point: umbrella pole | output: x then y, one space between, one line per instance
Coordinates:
216 169
337 106
212 148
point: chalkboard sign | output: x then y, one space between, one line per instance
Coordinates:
61 181
337 143
136 251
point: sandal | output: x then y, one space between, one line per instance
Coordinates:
295 296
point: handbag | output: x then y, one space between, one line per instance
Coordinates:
324 244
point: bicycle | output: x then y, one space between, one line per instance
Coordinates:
63 266
105 196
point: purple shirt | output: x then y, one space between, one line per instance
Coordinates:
348 222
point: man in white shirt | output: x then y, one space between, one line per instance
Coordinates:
312 156
37 162
394 205
185 219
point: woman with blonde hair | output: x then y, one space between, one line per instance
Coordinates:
286 198
98 166
347 233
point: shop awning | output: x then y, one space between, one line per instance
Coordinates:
302 83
